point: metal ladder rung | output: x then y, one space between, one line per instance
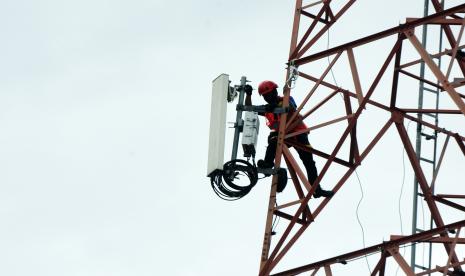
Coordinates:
426 160
428 136
434 115
430 90
421 267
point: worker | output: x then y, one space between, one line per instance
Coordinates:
268 90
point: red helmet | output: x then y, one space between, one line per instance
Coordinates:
266 87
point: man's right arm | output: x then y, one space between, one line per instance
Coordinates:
248 100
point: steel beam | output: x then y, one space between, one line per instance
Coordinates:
380 35
381 247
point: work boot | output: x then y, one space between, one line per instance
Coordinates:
262 164
461 53
322 193
282 180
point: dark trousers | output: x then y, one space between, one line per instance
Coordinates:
306 157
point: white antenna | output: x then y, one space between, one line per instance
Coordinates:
218 109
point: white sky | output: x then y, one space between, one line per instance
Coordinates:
104 115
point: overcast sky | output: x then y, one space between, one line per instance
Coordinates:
104 117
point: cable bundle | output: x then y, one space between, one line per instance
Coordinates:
222 181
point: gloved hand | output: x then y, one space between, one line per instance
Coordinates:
248 89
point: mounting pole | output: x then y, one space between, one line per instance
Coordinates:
239 123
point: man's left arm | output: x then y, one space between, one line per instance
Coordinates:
248 94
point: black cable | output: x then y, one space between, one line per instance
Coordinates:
358 218
331 69
222 181
399 209
359 182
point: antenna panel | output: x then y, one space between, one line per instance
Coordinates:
220 89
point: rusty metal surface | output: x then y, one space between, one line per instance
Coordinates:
300 220
381 247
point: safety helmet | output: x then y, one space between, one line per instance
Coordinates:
266 87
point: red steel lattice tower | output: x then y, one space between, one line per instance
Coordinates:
318 18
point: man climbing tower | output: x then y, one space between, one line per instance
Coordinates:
268 90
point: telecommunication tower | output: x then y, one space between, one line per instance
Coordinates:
440 72
311 22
